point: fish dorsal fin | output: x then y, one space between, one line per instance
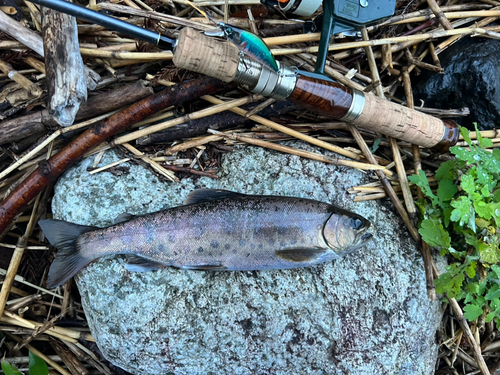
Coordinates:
203 195
206 267
301 255
140 264
123 217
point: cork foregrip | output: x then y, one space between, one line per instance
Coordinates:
202 54
383 116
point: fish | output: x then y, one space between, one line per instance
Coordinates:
215 230
247 42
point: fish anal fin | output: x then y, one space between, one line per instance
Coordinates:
203 195
123 217
206 267
140 264
301 255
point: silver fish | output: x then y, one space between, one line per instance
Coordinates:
215 230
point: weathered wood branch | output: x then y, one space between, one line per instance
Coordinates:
34 41
219 121
66 84
38 122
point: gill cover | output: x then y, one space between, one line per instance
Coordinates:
345 232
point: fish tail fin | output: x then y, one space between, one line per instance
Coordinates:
63 236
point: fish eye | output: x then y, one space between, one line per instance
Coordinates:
357 223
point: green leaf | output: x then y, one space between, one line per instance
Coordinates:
447 171
446 190
8 369
37 365
496 153
451 281
433 233
468 183
471 312
482 141
488 254
461 213
489 317
466 134
483 209
422 181
496 196
495 212
496 270
471 270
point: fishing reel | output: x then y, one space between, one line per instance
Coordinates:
338 16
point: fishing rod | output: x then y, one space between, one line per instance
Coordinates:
108 22
200 53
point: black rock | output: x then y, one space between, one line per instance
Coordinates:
471 79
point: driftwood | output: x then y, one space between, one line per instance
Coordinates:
49 170
219 121
34 41
66 84
38 122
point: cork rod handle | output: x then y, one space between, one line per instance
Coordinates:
202 54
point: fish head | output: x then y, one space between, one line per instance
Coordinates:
345 232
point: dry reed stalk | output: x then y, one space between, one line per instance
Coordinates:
22 281
38 353
69 359
286 130
51 138
379 42
219 2
333 73
426 251
14 75
155 16
164 172
301 153
369 156
484 133
448 42
8 10
222 106
141 56
191 144
453 15
17 257
109 166
35 63
428 12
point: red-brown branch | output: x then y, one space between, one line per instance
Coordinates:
51 169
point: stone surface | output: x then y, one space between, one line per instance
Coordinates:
471 79
366 313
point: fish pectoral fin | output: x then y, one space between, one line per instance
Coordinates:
140 264
301 255
206 267
203 195
123 217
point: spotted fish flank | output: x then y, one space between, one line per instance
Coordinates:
216 230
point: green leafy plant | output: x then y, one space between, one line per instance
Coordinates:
37 366
462 219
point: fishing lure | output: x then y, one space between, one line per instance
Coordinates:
248 43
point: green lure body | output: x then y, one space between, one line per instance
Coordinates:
250 44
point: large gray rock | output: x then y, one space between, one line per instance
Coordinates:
367 313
